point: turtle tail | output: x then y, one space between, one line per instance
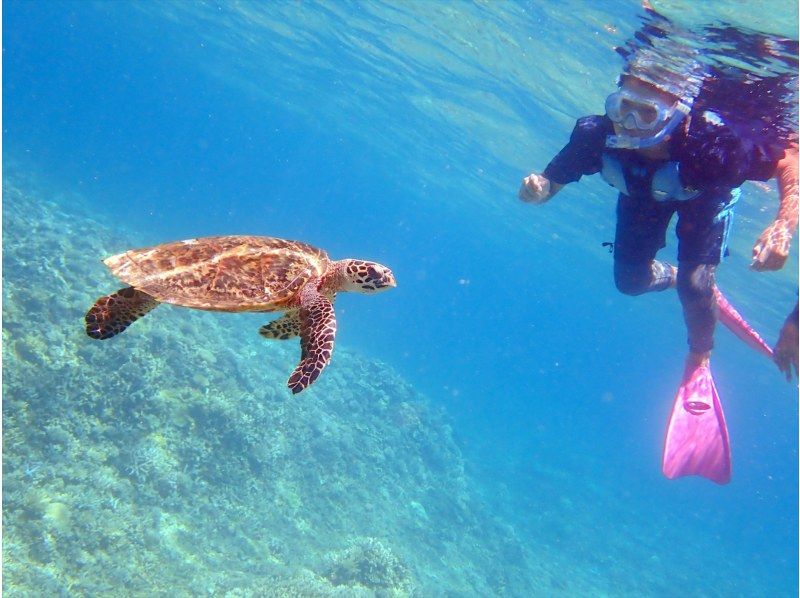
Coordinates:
113 313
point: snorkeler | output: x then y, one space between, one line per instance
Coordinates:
666 153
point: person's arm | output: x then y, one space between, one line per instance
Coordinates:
581 156
772 247
786 349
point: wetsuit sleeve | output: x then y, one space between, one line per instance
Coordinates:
727 155
583 154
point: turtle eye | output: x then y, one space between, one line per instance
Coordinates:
373 274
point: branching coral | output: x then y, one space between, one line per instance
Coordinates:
367 562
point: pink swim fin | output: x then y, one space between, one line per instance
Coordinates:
697 437
733 321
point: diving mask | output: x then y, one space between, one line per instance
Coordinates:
677 113
632 111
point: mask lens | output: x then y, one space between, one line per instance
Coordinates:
630 122
628 110
648 115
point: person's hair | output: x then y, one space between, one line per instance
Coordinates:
765 106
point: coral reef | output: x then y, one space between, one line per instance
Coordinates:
172 460
367 562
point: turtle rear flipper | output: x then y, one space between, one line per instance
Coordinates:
317 333
285 327
113 313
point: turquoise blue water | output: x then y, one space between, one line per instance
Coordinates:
398 132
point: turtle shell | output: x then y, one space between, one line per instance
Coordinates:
232 273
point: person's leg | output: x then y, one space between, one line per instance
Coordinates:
696 292
641 232
636 278
703 228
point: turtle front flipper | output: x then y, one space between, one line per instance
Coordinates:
285 327
317 333
113 313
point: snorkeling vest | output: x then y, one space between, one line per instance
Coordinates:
661 184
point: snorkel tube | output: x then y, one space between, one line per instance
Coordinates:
680 111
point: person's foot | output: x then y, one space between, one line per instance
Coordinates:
673 281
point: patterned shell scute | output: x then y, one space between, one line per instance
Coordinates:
233 273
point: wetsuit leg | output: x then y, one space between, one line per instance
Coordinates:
696 292
703 227
641 232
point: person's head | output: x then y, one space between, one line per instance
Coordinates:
643 114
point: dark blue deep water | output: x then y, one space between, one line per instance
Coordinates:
396 131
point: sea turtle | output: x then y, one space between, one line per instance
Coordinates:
241 273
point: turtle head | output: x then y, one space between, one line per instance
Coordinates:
365 277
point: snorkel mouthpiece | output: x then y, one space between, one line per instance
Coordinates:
628 142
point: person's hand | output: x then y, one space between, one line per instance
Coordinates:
772 247
535 189
785 352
